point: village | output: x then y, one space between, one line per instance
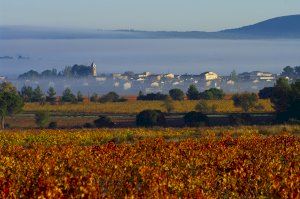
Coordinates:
88 80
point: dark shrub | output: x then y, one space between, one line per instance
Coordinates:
152 97
104 121
212 94
195 119
286 100
294 108
176 94
88 125
111 97
193 93
52 125
94 97
245 100
265 93
240 119
150 118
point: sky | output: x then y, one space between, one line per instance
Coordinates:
180 15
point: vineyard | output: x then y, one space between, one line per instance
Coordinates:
222 106
240 162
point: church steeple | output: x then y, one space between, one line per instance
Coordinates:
94 69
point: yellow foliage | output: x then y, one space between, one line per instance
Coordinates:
222 106
149 163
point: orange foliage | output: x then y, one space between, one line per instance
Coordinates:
244 167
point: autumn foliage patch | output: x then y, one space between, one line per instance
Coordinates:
243 167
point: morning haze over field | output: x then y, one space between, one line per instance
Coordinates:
55 34
149 99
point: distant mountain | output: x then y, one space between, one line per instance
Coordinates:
281 27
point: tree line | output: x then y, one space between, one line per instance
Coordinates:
291 72
285 98
37 95
179 95
29 94
69 72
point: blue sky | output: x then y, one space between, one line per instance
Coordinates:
207 15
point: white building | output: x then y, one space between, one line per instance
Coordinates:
155 84
127 85
208 76
144 74
257 75
169 76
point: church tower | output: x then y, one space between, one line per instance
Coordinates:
94 69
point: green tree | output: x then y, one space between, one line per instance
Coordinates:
49 73
42 118
176 94
104 121
212 94
245 100
150 118
79 97
7 87
38 94
288 71
111 97
281 95
67 72
27 93
195 119
266 93
29 75
10 102
294 106
192 93
51 97
68 96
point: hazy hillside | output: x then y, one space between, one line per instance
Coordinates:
288 26
280 27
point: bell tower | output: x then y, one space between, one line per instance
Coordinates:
94 69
